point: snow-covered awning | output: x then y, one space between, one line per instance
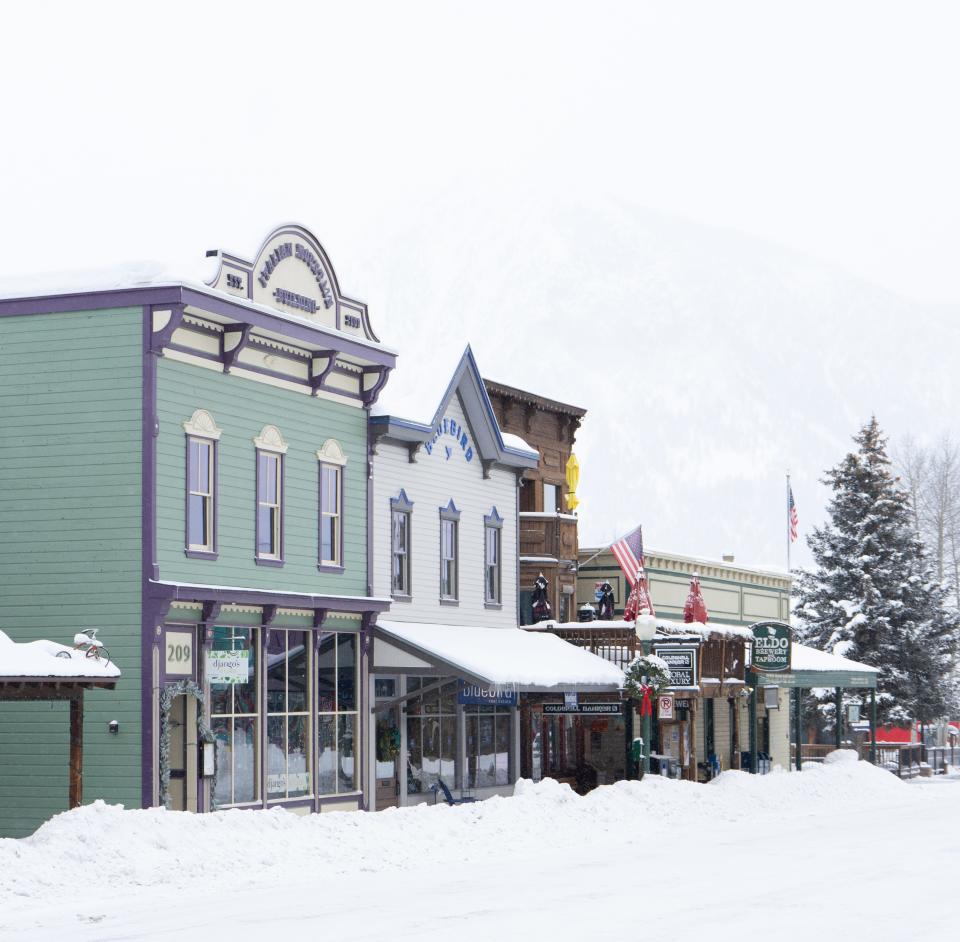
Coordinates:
501 656
813 668
39 661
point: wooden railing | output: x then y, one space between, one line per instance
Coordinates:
618 645
723 660
553 535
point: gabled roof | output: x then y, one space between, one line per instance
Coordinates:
467 384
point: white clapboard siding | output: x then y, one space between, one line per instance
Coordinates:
430 482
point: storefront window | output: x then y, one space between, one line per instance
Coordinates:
337 723
288 714
431 735
234 721
488 746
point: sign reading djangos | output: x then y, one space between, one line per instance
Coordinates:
771 647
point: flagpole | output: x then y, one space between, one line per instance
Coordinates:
788 519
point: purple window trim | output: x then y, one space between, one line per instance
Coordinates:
493 521
322 565
402 504
281 477
215 490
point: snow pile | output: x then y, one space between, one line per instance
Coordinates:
543 863
38 659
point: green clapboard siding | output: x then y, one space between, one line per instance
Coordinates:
241 407
70 394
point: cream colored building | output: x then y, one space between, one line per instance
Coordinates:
737 596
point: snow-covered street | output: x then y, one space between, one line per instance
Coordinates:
843 847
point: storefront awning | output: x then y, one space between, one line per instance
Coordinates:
812 668
508 657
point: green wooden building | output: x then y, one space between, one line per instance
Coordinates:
185 467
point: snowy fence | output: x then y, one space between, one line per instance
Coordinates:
905 760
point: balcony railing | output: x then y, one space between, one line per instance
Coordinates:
548 534
723 661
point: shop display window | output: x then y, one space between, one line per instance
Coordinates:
431 735
288 714
235 722
337 720
488 746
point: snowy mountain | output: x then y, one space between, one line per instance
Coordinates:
709 362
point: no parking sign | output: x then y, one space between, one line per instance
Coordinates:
665 706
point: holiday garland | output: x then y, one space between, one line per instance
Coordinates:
167 696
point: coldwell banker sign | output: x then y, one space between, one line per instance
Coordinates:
682 659
771 647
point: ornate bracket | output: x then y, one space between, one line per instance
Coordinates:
163 325
232 344
413 449
370 395
211 611
487 464
319 376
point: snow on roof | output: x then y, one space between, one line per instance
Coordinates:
515 441
709 630
810 659
40 659
508 655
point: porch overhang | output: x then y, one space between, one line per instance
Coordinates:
497 657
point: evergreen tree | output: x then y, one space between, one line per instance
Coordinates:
872 596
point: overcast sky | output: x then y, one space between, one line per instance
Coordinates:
133 131
145 131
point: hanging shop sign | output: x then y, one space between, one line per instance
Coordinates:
478 695
178 654
228 667
585 709
683 661
772 642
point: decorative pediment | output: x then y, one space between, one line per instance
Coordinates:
202 425
331 452
292 273
270 439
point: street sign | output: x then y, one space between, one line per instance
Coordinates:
665 706
772 641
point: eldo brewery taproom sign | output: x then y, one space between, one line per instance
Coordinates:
771 647
683 661
292 273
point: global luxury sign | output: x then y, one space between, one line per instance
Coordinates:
771 647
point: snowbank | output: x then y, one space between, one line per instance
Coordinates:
257 848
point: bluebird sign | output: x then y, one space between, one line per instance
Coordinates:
478 695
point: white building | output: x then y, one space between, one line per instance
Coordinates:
449 661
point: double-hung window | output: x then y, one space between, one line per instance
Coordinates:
269 521
201 529
332 461
400 516
449 552
492 565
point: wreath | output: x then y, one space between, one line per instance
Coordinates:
388 741
647 677
205 734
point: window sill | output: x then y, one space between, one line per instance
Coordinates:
261 561
200 554
444 601
402 598
493 605
329 567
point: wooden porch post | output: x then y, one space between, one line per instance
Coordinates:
873 726
76 750
798 725
838 700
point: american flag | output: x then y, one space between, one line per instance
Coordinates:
793 520
629 553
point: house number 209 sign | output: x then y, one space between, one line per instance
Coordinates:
178 654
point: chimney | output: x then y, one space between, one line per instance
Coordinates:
727 557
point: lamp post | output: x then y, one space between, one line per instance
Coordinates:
645 627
